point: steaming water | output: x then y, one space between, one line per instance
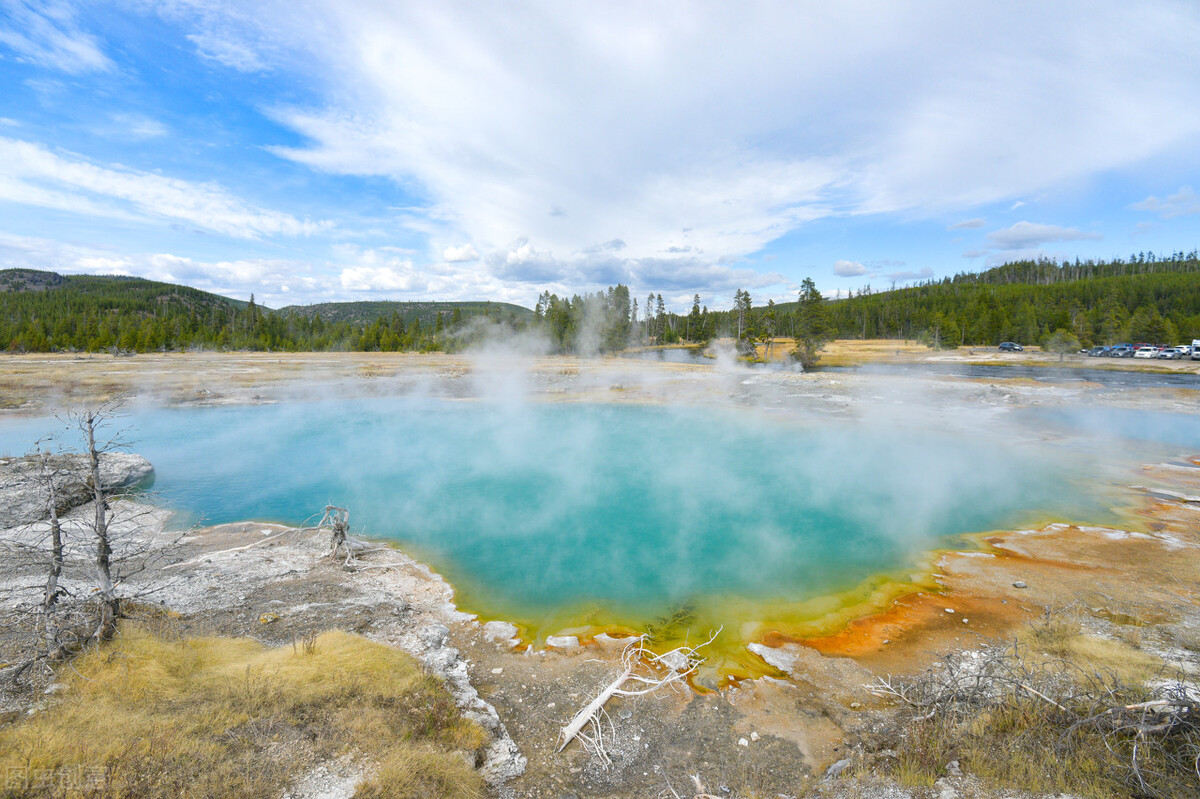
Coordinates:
567 515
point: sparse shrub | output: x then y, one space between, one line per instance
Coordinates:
1014 717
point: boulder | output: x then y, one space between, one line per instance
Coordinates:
23 496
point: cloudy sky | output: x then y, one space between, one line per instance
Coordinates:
395 149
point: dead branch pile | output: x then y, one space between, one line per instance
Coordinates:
648 672
1011 702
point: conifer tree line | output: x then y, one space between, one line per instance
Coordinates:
46 312
1143 299
1146 298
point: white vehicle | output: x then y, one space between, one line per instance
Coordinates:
1146 352
1196 349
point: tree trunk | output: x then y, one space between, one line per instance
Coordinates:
50 637
110 604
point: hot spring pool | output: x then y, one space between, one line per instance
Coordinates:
561 516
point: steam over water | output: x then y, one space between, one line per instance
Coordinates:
560 515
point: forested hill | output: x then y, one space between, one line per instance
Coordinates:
44 312
366 312
1146 298
113 292
1105 302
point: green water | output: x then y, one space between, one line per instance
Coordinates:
563 515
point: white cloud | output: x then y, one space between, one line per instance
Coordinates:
850 269
382 279
274 282
140 126
904 276
45 34
536 135
33 175
1182 203
466 252
641 132
1024 235
227 50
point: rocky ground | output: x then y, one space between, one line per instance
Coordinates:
815 729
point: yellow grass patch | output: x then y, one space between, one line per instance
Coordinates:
225 717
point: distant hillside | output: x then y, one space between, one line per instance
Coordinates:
1146 298
366 312
45 311
111 291
29 280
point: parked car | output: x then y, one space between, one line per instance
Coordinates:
1146 352
1121 351
1011 346
1170 353
1097 352
1196 349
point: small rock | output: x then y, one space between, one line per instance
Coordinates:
625 713
965 621
945 790
550 704
433 635
949 610
835 771
1020 584
754 736
268 618
56 688
855 705
743 742
562 642
497 671
499 631
953 769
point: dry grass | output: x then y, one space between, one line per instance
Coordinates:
1061 635
150 716
1070 713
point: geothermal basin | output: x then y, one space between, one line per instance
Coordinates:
632 498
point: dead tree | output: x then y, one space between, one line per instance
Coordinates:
648 671
338 520
53 645
109 603
79 561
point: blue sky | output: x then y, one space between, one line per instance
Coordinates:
464 150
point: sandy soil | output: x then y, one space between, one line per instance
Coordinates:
29 383
764 737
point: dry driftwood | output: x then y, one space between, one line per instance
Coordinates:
640 666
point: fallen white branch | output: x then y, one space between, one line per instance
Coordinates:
668 669
209 555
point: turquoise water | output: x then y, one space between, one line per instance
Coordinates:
554 514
